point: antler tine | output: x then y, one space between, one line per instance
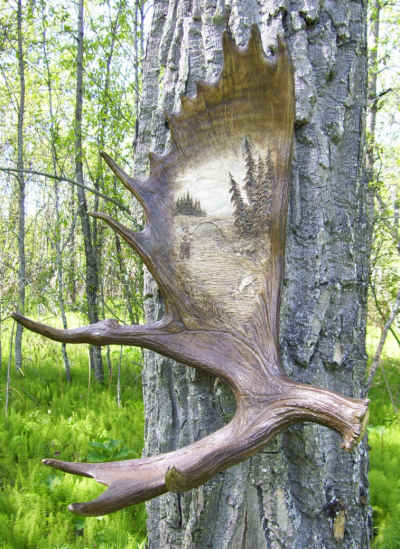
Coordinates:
139 241
107 332
167 336
101 333
140 189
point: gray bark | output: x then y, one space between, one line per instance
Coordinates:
373 41
21 190
302 490
57 236
92 280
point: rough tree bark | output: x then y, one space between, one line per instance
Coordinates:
92 278
302 490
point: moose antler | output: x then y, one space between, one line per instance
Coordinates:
216 207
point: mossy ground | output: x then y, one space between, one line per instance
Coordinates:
384 440
79 421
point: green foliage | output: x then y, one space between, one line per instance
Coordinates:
112 80
78 421
384 160
384 440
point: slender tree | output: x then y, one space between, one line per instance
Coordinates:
21 188
92 278
302 490
250 180
386 242
239 207
54 159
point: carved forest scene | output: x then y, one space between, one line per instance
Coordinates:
225 253
185 230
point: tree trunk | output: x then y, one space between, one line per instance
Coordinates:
302 490
92 279
58 235
373 63
21 189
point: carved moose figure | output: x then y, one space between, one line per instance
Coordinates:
216 208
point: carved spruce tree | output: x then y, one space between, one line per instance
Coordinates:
221 283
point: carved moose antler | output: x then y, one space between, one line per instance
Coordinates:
216 208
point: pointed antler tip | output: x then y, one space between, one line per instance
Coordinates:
108 159
255 32
50 462
77 508
228 41
282 49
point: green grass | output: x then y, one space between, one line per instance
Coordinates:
385 484
79 421
384 440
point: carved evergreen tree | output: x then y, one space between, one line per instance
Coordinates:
250 181
253 218
185 205
265 182
302 491
240 213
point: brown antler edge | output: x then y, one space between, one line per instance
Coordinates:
216 208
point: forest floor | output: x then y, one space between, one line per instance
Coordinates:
47 417
384 441
77 422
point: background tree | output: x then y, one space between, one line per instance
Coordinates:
21 187
383 161
302 490
88 228
53 239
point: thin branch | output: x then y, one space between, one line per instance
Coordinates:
382 314
377 357
73 182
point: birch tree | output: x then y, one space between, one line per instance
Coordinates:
21 187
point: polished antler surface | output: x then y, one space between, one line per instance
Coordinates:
216 209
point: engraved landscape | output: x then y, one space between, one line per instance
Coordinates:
222 238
